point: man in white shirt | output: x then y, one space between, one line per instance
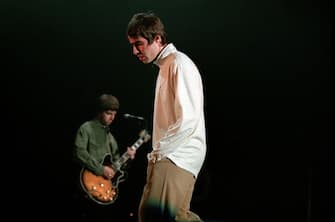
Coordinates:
179 134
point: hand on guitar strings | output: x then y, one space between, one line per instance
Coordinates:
109 172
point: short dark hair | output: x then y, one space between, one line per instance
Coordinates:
147 25
107 102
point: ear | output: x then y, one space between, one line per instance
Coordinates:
158 39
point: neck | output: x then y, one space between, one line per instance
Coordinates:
160 51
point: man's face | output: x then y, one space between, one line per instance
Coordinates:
144 51
107 117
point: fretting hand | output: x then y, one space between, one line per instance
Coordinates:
131 152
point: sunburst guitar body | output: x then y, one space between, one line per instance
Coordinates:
105 191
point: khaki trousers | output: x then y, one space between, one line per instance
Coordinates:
167 194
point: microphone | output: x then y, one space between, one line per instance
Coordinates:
129 116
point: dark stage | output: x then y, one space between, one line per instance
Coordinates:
266 68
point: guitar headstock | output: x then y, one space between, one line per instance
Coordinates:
144 134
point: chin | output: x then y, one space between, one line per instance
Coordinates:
147 61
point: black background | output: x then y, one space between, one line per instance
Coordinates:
266 68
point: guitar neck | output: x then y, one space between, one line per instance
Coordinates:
123 159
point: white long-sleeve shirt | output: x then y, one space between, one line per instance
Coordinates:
178 123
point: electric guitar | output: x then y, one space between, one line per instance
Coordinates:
105 191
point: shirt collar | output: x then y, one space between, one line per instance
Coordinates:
168 49
97 122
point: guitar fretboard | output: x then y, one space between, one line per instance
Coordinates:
118 164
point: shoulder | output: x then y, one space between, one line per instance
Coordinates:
175 57
182 59
87 126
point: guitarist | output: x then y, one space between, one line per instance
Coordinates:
93 142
